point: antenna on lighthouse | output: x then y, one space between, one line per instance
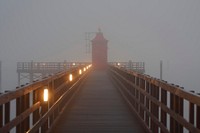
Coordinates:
99 29
88 37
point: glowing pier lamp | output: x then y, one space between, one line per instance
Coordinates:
80 71
46 95
73 64
84 69
70 77
118 64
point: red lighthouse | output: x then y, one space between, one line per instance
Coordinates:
99 51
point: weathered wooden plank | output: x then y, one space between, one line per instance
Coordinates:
98 107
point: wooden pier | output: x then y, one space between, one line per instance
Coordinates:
98 108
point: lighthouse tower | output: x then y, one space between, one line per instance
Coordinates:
99 51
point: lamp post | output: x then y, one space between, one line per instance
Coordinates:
80 72
45 108
70 77
46 95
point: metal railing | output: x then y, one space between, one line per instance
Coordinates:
160 107
135 66
47 66
33 114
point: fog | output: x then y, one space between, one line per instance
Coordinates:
137 30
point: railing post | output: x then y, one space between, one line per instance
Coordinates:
191 112
134 91
36 115
152 107
137 95
147 104
44 127
7 112
163 113
1 115
176 109
51 100
44 109
181 112
56 96
26 103
18 111
172 127
142 86
22 103
198 115
22 110
156 113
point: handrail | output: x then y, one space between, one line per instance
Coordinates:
52 108
136 66
48 66
30 106
157 104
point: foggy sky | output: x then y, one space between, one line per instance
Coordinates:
137 30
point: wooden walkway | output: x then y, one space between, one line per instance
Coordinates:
98 108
